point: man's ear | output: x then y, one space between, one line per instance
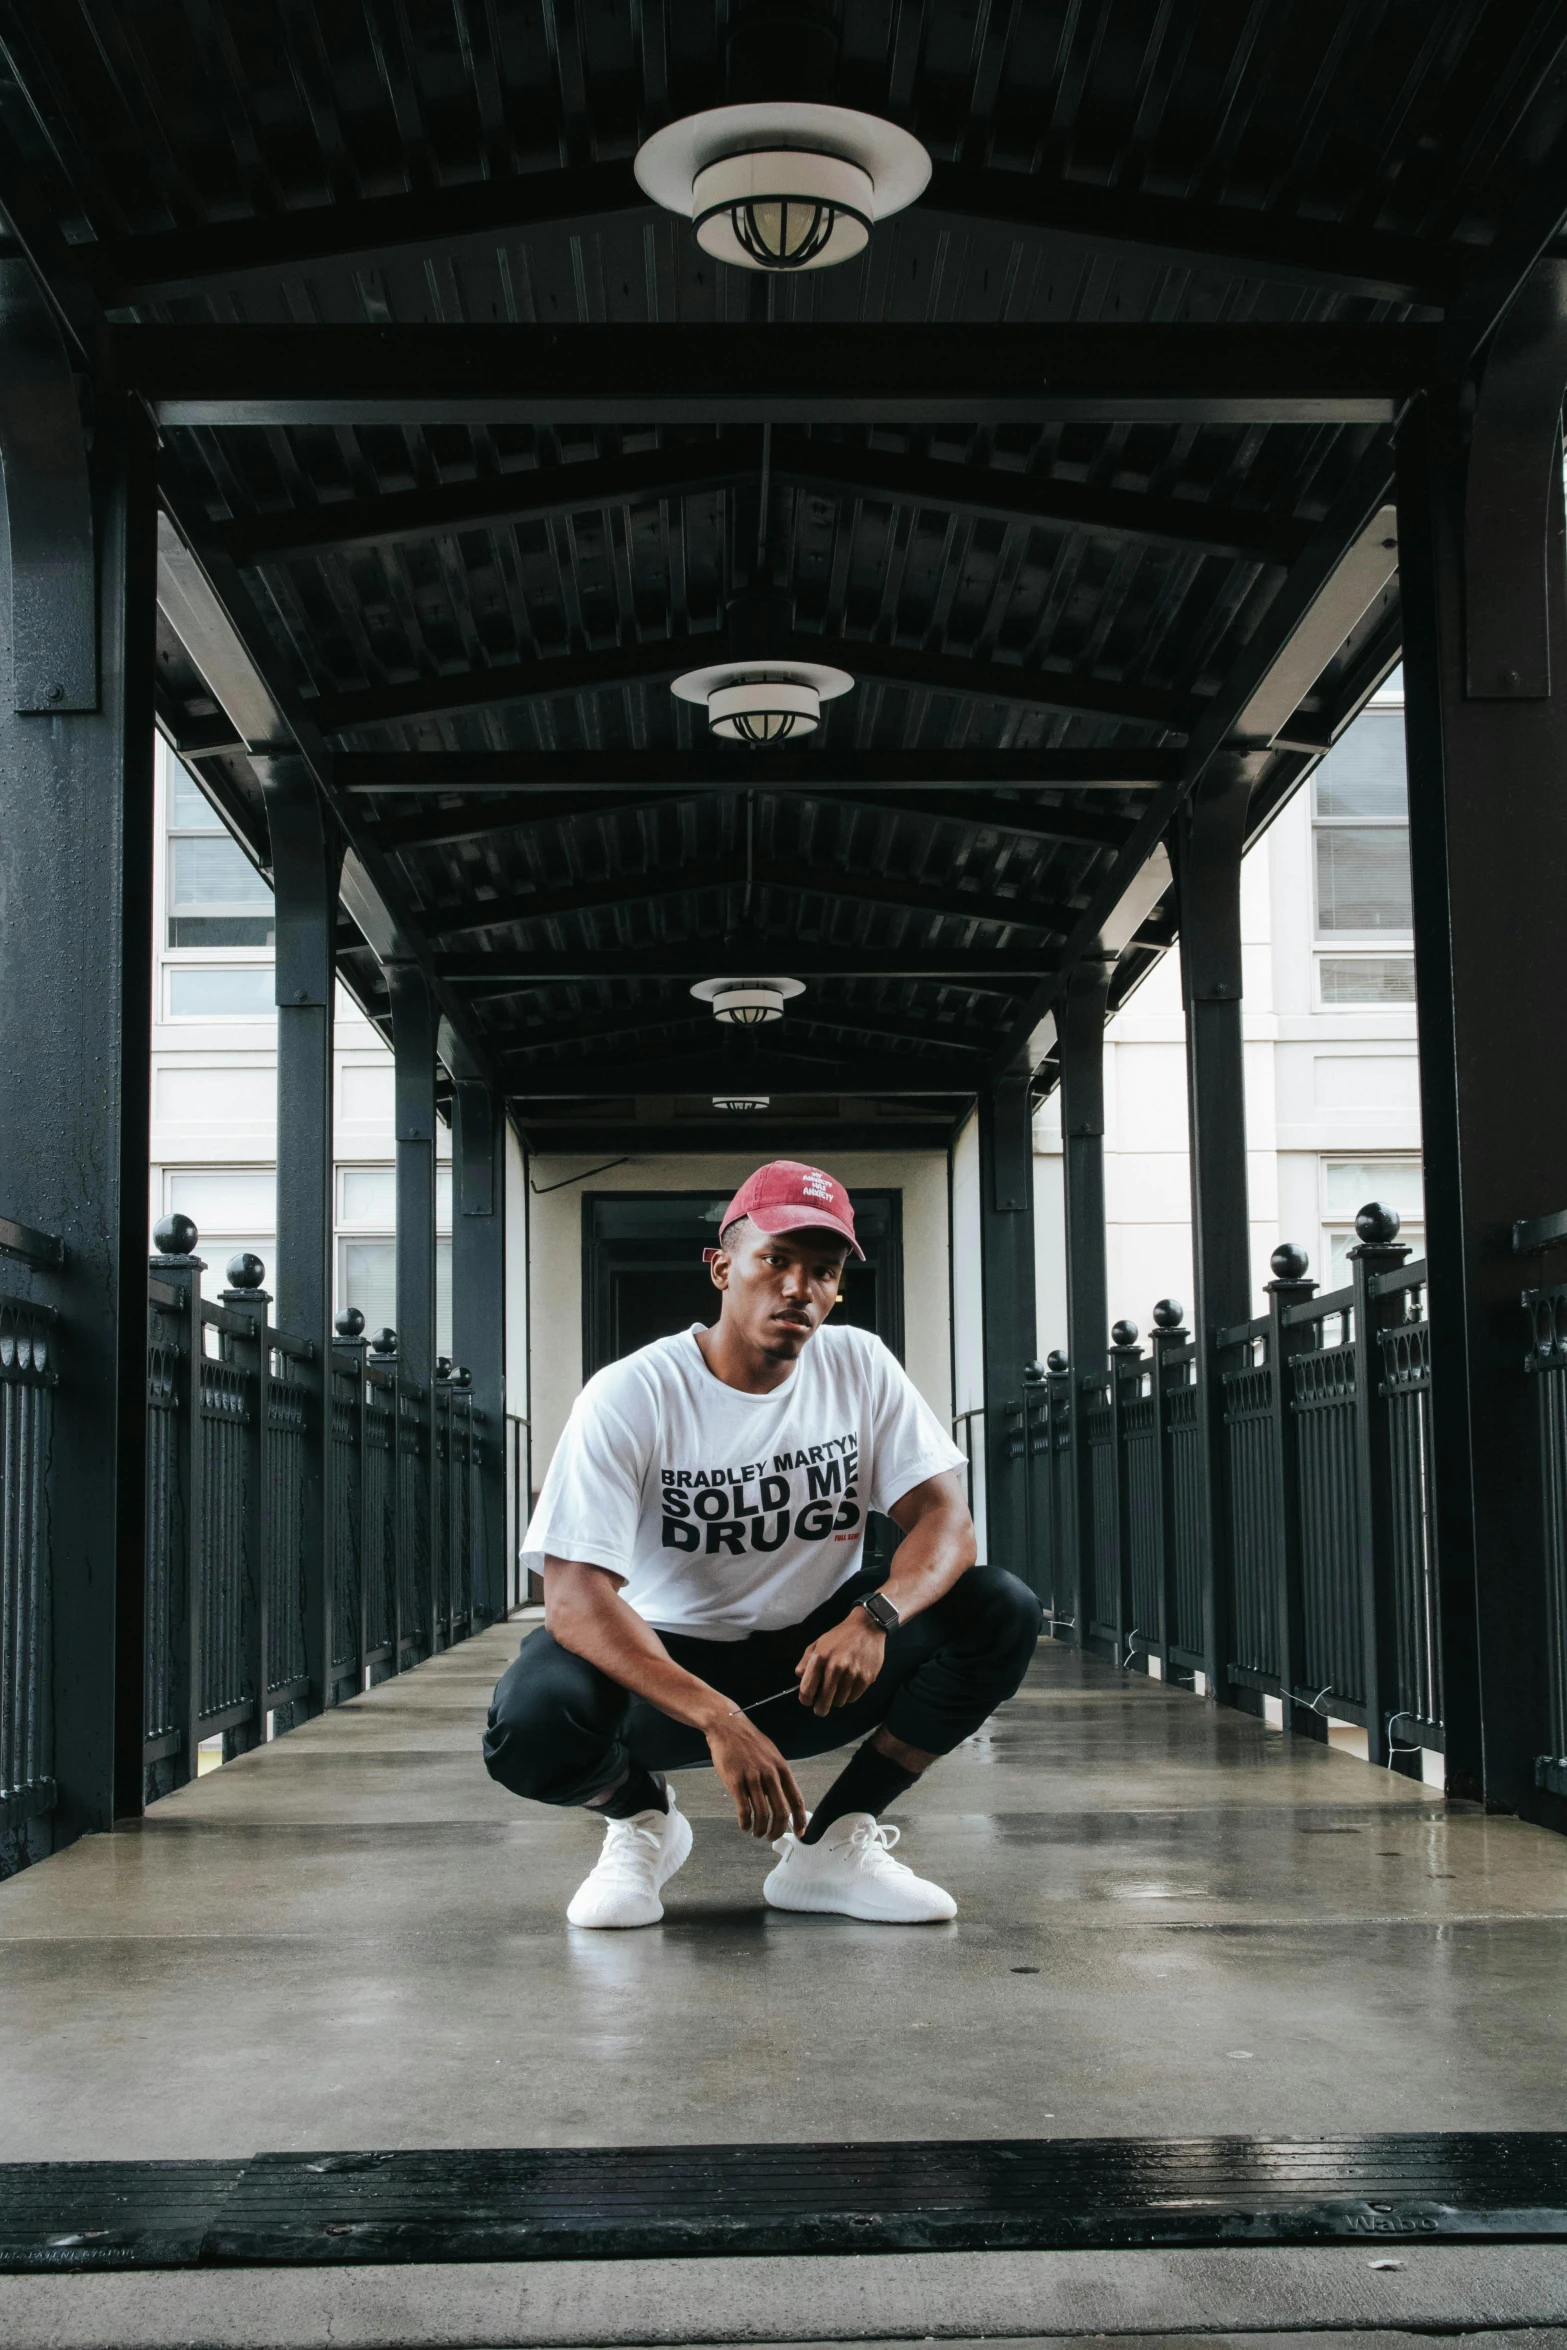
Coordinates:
718 1266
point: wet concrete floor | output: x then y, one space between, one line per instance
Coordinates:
1171 1920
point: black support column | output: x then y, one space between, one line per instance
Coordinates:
305 859
76 751
1080 1019
1485 634
1006 1225
1209 845
413 1046
479 1317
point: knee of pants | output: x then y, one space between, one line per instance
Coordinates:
522 1756
1008 1611
540 1739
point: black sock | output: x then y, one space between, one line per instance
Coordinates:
869 1781
639 1790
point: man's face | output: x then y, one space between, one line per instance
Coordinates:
777 1290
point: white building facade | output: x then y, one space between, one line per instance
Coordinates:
1332 1086
214 1073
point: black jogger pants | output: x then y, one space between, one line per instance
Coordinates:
561 1731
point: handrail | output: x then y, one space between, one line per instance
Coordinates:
1410 1276
1536 1232
1241 1333
30 1305
35 1248
1321 1308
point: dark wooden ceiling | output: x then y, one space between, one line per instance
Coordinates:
471 624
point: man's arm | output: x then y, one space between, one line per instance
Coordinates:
584 1611
938 1546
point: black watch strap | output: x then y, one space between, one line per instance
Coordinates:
881 1611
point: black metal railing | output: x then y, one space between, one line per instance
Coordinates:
29 1372
1304 1569
234 1433
1546 1364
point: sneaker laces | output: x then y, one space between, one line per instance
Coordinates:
630 1852
870 1847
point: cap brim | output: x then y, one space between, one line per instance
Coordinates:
776 1220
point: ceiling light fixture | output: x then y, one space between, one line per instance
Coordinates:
747 1003
748 1101
782 179
753 703
761 694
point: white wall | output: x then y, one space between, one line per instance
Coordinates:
555 1286
214 1090
1326 1087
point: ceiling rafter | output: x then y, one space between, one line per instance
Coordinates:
444 827
709 767
857 1021
131 272
984 970
767 1069
817 1135
1081 827
700 373
512 685
611 892
831 469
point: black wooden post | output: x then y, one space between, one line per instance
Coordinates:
1126 1358
382 1352
413 1046
1289 1287
1038 1498
479 1323
1063 1512
1081 1021
247 1346
349 1343
1378 1251
305 861
1209 844
1006 1258
1486 734
77 615
179 1269
1167 1337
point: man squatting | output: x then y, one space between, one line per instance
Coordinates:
700 1534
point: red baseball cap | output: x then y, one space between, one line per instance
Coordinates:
787 1196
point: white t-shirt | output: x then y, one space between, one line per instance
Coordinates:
730 1513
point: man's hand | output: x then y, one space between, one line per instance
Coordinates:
841 1666
766 1799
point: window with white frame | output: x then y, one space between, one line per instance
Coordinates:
367 1248
219 991
216 896
1360 861
234 1209
1348 1185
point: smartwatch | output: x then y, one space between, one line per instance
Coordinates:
881 1611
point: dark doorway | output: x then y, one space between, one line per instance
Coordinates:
643 1275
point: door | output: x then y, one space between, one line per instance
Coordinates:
643 1277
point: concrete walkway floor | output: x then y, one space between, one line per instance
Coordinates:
1172 1921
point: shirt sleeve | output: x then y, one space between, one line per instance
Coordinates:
909 1443
591 1498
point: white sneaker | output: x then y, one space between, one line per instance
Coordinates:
640 1856
852 1872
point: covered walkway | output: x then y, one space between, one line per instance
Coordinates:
1174 1921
